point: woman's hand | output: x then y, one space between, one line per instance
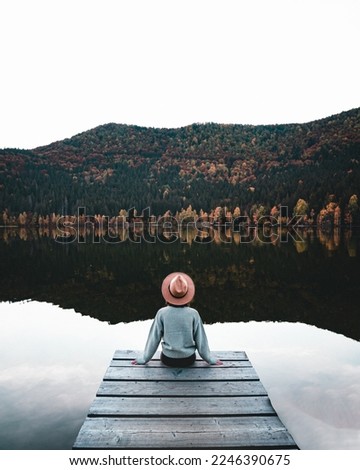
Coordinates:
134 362
219 363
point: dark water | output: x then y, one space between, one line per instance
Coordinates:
291 303
314 280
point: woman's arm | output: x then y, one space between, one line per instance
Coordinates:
202 342
153 341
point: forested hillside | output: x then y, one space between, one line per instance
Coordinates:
114 167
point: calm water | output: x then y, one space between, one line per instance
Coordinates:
292 305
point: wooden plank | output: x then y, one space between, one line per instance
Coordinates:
180 406
178 389
169 373
203 433
224 355
197 364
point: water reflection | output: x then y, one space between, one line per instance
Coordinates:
188 234
311 276
52 361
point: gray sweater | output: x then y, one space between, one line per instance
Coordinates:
182 332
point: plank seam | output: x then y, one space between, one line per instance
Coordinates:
151 416
108 395
178 380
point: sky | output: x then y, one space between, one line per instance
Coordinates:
70 65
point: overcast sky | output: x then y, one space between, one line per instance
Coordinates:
71 65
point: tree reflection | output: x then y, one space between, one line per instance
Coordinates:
239 276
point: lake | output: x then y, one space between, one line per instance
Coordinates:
290 301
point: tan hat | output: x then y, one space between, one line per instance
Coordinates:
178 289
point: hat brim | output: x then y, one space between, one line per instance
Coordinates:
178 300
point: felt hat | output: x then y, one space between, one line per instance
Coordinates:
178 289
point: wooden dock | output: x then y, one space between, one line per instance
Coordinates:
198 407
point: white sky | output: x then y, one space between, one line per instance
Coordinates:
70 65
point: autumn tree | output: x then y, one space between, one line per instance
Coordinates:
257 213
275 213
237 212
352 210
22 219
301 210
187 215
219 215
353 205
5 217
301 207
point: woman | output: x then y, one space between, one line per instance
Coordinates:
178 325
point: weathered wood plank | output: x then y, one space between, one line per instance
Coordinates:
178 389
223 355
202 433
169 373
197 364
180 406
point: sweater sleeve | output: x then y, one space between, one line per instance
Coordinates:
202 342
153 340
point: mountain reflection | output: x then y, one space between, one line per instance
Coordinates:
306 276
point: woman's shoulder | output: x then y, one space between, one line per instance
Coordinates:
162 310
192 311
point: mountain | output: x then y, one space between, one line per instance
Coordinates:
114 166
